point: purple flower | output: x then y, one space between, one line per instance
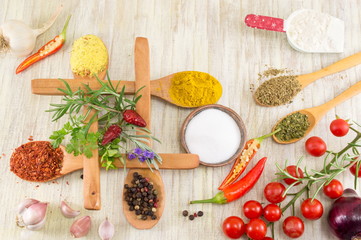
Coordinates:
148 154
132 156
142 158
138 151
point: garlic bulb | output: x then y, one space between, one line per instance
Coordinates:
67 211
19 38
80 227
106 230
31 214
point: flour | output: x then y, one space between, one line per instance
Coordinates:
313 31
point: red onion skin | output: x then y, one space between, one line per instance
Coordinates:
344 217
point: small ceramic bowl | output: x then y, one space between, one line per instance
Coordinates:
231 113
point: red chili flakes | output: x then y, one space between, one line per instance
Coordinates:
31 138
67 182
36 161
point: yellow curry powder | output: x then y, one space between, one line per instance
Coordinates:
194 89
89 56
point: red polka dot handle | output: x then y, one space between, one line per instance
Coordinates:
264 22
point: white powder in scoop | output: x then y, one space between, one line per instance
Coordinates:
314 31
213 135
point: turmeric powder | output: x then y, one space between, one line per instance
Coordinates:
194 89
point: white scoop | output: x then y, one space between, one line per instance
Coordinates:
307 30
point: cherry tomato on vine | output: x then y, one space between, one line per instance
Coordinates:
272 212
312 210
234 227
294 172
334 189
339 127
256 229
315 146
252 209
353 170
293 227
274 191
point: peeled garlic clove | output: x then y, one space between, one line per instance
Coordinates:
80 227
67 211
106 230
25 204
34 214
36 226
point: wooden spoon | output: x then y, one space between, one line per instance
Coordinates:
315 114
181 161
159 87
143 106
339 66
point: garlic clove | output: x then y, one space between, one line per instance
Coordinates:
80 227
25 204
106 230
34 214
67 211
37 226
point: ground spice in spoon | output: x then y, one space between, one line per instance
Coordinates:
36 161
293 126
278 90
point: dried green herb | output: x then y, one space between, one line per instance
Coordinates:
293 126
278 90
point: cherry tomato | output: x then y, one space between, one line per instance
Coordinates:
293 227
272 212
334 189
312 210
234 227
353 169
292 171
339 127
252 209
274 191
256 229
315 146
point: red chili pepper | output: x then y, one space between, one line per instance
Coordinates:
238 189
132 117
250 149
112 133
51 47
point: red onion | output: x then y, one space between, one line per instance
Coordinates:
344 217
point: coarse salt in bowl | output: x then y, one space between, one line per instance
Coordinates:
215 132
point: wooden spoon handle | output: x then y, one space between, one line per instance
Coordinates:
91 172
339 66
350 92
48 86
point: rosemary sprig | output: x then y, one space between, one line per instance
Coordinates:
109 105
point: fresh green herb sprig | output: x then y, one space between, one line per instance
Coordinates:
108 105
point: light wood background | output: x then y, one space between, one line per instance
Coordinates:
200 35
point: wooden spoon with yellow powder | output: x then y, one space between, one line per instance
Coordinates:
184 89
89 58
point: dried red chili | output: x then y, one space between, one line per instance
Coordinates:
36 161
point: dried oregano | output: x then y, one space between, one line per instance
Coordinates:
278 90
293 126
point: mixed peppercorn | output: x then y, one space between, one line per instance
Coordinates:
192 216
141 197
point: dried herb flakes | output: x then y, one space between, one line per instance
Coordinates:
293 126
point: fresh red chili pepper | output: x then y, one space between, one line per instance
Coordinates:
51 47
238 189
112 133
250 149
132 117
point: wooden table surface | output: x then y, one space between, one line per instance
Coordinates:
201 35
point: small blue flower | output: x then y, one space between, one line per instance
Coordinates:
132 156
142 158
148 154
138 151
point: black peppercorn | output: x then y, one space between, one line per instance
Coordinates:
191 217
185 213
200 213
